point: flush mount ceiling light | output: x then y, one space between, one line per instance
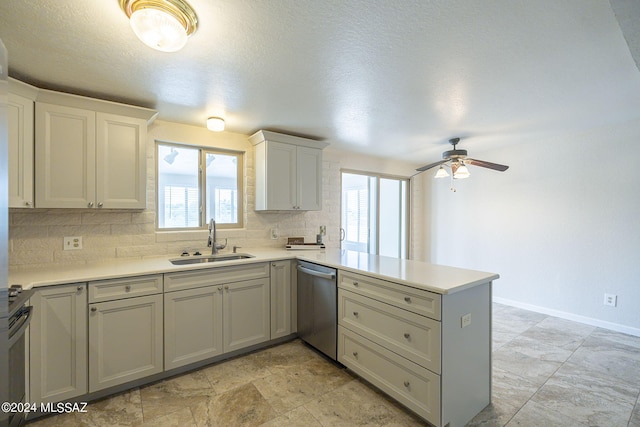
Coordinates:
215 124
164 25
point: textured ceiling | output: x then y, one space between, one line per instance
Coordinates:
392 78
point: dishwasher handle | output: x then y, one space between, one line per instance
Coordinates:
329 276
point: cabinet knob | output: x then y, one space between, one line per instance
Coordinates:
407 384
226 287
100 204
94 309
127 288
220 288
355 283
27 203
407 299
80 288
407 335
355 314
90 204
355 354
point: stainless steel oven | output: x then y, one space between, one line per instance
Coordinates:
19 318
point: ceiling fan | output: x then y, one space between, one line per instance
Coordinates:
458 160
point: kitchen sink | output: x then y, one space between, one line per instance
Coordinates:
209 258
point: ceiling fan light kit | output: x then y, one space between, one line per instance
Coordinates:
457 160
164 25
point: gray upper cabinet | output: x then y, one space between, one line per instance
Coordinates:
89 153
20 120
288 172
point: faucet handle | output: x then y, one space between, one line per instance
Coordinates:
235 248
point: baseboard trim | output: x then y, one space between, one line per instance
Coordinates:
570 316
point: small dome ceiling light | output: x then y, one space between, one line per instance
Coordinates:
164 25
215 124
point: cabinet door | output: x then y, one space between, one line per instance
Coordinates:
280 299
280 176
246 314
20 119
125 341
121 162
58 343
65 157
309 179
192 325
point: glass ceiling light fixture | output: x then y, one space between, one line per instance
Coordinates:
171 157
215 124
461 172
164 25
442 173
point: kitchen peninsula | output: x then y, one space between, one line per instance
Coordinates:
419 332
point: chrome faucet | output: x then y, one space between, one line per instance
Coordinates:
211 241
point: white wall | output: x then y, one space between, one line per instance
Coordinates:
561 226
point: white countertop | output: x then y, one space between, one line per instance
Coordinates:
436 278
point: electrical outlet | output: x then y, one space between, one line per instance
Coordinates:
73 243
611 300
465 320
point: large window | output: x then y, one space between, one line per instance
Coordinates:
374 214
196 184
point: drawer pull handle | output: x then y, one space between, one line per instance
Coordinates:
407 384
355 354
407 299
127 288
355 314
94 309
407 335
355 283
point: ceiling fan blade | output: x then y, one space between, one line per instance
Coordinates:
432 165
489 165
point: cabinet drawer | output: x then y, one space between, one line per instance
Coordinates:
412 299
413 386
113 289
214 276
410 335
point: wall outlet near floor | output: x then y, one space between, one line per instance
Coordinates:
72 243
610 299
465 320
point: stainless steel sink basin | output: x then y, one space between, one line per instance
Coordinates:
209 258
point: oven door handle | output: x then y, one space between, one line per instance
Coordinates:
19 330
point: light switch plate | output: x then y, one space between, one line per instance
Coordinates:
465 320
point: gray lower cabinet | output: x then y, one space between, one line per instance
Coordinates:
281 292
414 346
246 314
125 333
58 343
215 312
192 325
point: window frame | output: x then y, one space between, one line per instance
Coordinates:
202 185
406 240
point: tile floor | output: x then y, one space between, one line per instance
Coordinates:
546 372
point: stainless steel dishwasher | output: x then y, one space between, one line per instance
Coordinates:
318 306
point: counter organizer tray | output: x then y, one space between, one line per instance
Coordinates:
297 243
